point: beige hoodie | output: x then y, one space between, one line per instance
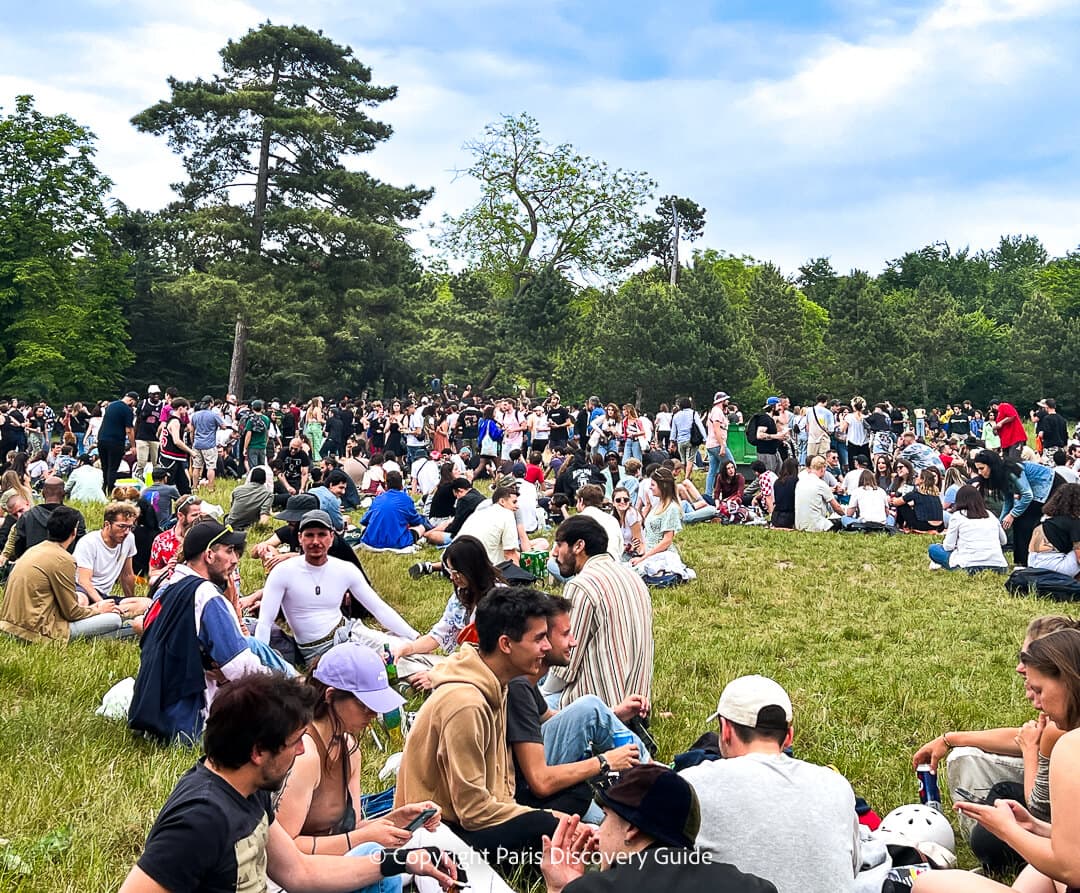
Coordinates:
456 753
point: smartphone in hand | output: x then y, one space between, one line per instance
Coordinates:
966 796
420 819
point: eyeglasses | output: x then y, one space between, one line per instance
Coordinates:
122 526
621 501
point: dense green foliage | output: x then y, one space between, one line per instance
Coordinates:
282 268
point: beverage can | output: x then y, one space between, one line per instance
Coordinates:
620 739
928 786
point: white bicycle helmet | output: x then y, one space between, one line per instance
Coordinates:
914 824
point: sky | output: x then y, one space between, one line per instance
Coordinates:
852 130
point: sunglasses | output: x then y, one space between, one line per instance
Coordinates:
621 501
228 529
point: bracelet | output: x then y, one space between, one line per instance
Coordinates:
945 738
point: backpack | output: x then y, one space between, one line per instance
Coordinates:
257 424
751 429
697 432
1049 584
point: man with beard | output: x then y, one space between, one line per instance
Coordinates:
147 424
217 829
611 618
296 467
547 745
191 626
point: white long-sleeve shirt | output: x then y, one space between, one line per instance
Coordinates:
311 598
974 542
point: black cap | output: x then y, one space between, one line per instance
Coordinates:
298 506
210 533
132 394
657 800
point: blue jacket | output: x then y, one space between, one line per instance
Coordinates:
1033 484
387 521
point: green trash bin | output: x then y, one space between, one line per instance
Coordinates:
743 452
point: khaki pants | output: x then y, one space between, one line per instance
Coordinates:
817 448
145 451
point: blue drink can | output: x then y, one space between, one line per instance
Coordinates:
621 738
928 786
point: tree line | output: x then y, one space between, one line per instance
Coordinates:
283 268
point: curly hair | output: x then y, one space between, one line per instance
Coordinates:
1064 502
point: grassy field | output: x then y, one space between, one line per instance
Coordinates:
878 654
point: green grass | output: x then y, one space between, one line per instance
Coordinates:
878 654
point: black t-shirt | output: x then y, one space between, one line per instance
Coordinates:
347 420
288 425
558 415
335 429
784 496
768 447
442 502
1053 430
469 422
13 422
960 424
115 421
1062 532
293 465
79 422
147 419
208 838
524 708
896 417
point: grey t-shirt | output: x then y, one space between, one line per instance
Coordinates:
249 503
786 820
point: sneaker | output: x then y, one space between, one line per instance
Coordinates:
419 569
934 566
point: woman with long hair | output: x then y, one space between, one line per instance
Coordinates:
1055 543
314 420
1052 850
395 419
783 514
883 470
1022 487
629 520
956 476
730 484
472 575
974 537
319 806
78 422
489 435
869 503
440 432
11 481
632 431
919 509
660 557
1011 763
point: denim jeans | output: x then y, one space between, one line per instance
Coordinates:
98 626
631 450
387 884
717 457
574 733
256 457
412 453
692 515
938 555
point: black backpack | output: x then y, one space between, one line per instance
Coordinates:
751 429
697 432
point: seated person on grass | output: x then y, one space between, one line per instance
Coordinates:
252 502
814 500
392 521
40 604
104 557
548 744
456 753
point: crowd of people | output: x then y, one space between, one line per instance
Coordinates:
532 746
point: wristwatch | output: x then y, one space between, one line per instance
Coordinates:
604 766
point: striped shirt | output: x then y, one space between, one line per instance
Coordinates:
611 619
